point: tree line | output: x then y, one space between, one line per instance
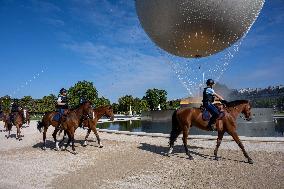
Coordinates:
86 90
152 99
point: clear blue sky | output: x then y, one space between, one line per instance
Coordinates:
47 45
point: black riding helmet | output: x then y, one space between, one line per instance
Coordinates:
82 100
63 91
210 82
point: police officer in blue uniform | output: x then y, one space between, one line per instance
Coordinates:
14 107
208 99
62 102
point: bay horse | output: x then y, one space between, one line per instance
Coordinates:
92 123
3 117
73 117
97 113
184 119
17 119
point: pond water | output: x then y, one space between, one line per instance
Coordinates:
250 129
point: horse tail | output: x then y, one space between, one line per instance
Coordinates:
40 125
175 129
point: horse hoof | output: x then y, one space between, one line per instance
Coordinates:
250 161
216 158
44 148
85 144
190 157
101 146
169 152
75 153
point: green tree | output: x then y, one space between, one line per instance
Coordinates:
28 102
48 103
6 103
173 104
125 102
154 97
144 105
115 107
102 102
140 105
82 89
136 104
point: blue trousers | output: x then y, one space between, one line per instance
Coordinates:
59 115
213 111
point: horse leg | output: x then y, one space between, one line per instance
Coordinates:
240 144
184 139
69 140
98 137
173 136
9 127
73 140
86 138
63 138
17 135
55 140
44 138
19 132
219 140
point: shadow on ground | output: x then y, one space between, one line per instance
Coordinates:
49 144
179 152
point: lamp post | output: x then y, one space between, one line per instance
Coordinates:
130 111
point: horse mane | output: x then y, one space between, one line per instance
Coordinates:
79 105
236 103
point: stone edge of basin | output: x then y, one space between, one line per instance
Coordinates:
201 137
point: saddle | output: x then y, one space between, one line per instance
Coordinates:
206 114
58 117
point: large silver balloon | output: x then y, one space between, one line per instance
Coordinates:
196 28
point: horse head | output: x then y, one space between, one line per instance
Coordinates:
109 112
247 111
87 109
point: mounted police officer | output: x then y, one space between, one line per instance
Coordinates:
62 102
15 108
208 99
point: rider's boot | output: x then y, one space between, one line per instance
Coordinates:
211 124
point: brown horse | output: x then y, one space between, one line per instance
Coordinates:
17 119
74 117
91 123
184 119
3 117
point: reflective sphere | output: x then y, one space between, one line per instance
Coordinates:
196 28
